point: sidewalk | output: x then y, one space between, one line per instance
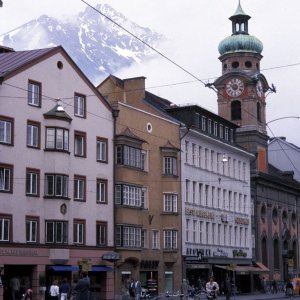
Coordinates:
256 296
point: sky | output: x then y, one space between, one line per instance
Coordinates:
193 29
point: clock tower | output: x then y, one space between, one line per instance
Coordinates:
242 88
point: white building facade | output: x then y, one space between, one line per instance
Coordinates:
215 178
56 173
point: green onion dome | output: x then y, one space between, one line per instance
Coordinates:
240 43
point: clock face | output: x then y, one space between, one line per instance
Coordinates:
234 87
259 89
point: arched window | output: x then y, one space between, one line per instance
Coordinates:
264 251
258 111
276 255
236 111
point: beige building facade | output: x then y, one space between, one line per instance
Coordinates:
147 190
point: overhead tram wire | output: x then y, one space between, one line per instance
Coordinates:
149 46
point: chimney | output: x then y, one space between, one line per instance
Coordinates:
135 90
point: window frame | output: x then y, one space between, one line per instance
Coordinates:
82 136
102 182
64 233
65 148
10 168
170 205
155 239
170 166
32 92
80 111
79 225
30 192
65 187
128 236
99 152
7 141
36 220
130 156
173 239
8 218
100 225
79 195
33 124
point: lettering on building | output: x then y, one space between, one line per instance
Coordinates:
18 252
199 213
149 264
239 253
220 253
241 221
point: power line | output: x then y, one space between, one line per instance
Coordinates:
145 43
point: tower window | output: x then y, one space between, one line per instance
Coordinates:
257 66
258 111
225 67
236 111
235 64
248 64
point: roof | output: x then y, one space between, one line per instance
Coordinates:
12 61
283 140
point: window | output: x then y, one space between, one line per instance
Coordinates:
170 165
32 229
144 239
79 106
129 156
57 232
5 228
79 231
221 129
215 129
130 195
236 110
56 185
209 126
170 203
170 239
187 230
199 156
226 134
206 157
6 130
128 236
32 182
6 178
101 194
80 144
187 151
57 139
34 93
155 239
102 150
258 111
33 134
187 190
79 188
203 125
193 154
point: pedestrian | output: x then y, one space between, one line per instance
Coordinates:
184 289
82 288
64 289
137 290
54 290
274 287
227 288
131 289
28 295
212 288
14 288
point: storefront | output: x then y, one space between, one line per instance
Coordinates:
37 268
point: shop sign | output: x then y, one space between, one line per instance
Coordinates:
149 264
111 256
17 252
220 253
85 264
241 221
198 252
199 213
239 253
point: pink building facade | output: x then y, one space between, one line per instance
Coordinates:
56 174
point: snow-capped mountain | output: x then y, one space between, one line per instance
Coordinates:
97 45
